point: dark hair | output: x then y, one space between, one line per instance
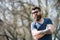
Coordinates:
36 8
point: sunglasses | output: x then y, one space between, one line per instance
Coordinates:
35 12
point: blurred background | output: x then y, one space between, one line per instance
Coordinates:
16 18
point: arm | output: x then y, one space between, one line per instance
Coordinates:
39 34
49 29
36 34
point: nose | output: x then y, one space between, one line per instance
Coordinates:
35 13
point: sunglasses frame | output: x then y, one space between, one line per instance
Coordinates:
35 12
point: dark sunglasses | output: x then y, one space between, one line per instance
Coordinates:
35 12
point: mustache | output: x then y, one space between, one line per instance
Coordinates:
38 17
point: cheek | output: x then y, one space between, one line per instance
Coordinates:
34 15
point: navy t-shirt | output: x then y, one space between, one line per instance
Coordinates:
38 26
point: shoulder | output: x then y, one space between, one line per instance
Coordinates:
33 26
33 23
47 18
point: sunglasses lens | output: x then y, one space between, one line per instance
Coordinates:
35 12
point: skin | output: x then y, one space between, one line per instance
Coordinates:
39 34
35 14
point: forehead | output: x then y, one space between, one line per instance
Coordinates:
34 10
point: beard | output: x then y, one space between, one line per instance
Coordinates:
38 17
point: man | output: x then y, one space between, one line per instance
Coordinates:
41 28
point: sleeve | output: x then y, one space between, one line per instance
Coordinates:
32 26
50 21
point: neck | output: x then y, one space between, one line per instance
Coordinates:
40 21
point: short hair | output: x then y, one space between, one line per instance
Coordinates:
36 8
